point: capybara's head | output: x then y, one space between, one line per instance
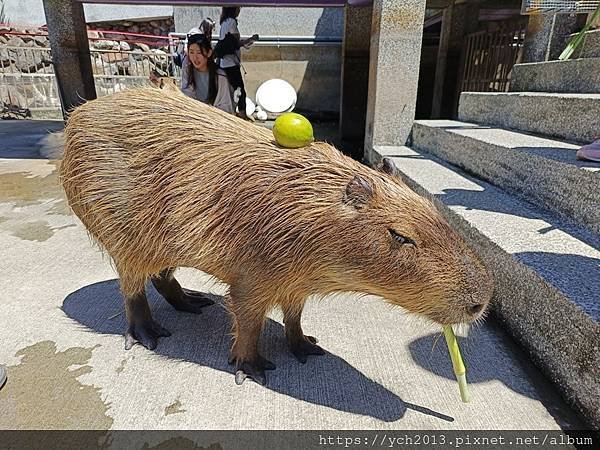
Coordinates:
401 248
167 83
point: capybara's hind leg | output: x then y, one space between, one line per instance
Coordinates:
247 325
300 345
181 299
141 327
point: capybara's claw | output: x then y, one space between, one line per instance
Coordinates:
145 333
195 295
247 370
254 369
240 376
261 362
312 339
306 347
193 302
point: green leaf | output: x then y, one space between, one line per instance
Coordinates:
579 37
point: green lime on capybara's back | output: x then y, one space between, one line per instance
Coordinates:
293 130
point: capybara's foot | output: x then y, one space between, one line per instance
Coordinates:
181 299
253 368
192 302
301 348
146 333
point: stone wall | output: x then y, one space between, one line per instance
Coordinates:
116 54
156 27
276 21
27 76
30 57
313 70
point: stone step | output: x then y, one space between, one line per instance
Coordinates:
542 171
574 117
571 76
547 277
590 47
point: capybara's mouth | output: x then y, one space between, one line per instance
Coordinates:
472 314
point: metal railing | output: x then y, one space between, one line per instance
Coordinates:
490 55
27 78
559 6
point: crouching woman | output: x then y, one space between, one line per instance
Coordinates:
201 79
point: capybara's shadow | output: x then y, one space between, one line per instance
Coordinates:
489 355
205 339
484 354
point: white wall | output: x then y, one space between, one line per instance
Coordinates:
265 21
270 21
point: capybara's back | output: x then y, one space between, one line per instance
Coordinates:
140 169
163 181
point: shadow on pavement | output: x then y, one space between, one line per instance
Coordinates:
577 273
484 200
491 355
204 339
31 139
576 280
560 154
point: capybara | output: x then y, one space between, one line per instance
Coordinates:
163 82
163 181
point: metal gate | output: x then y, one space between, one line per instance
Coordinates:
488 57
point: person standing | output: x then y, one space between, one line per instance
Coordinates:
230 61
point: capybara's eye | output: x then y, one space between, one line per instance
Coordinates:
401 239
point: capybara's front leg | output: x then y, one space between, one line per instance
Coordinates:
248 318
181 299
141 327
300 345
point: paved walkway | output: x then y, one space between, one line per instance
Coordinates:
61 325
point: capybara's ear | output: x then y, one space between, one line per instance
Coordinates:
358 192
387 166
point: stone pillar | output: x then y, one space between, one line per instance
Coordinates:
458 20
70 52
396 35
546 36
355 79
440 66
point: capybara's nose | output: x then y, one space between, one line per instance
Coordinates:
475 309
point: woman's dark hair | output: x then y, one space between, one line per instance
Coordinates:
200 39
206 48
206 28
229 12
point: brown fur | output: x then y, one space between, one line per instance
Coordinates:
180 183
166 83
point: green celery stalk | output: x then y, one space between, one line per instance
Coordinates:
457 363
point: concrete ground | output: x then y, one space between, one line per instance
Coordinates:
61 327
